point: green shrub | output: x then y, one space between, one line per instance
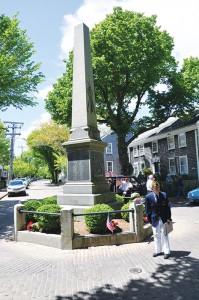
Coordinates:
31 205
119 198
97 223
49 200
125 215
48 223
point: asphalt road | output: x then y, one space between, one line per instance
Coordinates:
37 190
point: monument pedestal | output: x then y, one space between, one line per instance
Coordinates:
86 184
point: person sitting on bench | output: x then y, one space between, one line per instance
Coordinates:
125 188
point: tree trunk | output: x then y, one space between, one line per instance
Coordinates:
126 167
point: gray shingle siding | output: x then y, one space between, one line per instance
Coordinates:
190 150
114 157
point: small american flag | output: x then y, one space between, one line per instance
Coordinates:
110 225
118 182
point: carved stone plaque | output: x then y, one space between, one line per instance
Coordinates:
97 164
78 165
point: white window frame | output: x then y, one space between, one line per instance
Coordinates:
186 169
172 168
135 151
109 149
171 142
108 167
141 150
182 140
141 166
136 168
154 146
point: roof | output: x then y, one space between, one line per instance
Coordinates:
112 133
172 124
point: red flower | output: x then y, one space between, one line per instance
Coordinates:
29 225
145 220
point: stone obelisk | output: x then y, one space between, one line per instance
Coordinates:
86 184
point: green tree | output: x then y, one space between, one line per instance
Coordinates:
26 165
4 146
181 96
46 143
19 75
131 55
21 168
59 101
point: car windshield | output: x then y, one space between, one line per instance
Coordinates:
16 182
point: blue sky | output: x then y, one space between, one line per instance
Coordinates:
50 24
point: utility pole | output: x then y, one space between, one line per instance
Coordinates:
22 147
13 126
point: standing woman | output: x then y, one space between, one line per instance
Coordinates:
158 212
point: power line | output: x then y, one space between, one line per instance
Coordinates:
22 147
13 126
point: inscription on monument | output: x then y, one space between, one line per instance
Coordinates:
78 165
98 166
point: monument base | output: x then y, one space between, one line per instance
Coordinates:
85 199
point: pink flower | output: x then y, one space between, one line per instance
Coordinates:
137 199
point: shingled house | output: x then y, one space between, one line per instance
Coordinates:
111 156
172 148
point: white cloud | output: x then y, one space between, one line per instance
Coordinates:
45 117
179 18
43 92
20 142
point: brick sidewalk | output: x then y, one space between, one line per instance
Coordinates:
29 271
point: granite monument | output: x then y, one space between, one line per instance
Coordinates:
86 184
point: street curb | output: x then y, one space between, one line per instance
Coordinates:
1 197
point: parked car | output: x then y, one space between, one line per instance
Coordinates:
193 196
16 187
25 181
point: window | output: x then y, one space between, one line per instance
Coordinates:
141 150
136 169
135 151
182 140
172 166
141 166
109 166
109 148
171 142
155 147
183 164
157 167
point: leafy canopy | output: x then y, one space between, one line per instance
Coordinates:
46 142
19 74
4 146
